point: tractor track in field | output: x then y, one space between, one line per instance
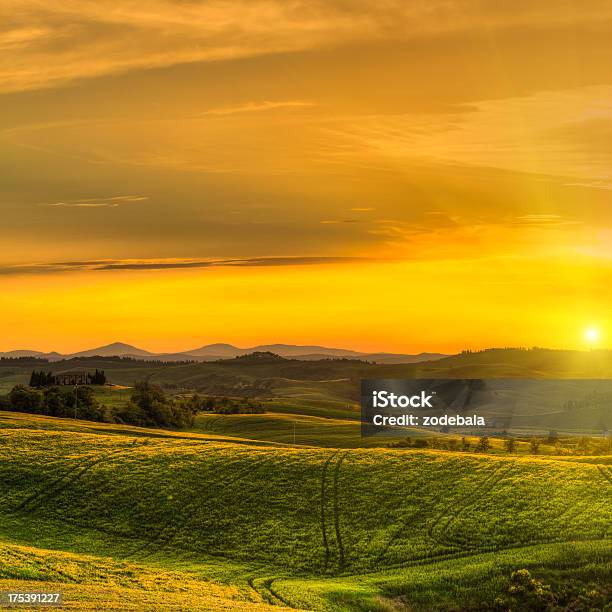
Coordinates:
268 585
267 593
22 556
163 536
149 542
480 491
263 592
445 511
57 481
271 596
406 521
59 485
323 525
211 425
337 531
572 512
166 535
464 554
569 514
444 537
606 472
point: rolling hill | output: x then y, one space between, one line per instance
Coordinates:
214 352
116 349
284 350
331 387
202 523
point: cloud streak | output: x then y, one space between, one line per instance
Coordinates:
48 44
255 107
113 202
174 264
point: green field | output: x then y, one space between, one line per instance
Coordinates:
129 518
287 428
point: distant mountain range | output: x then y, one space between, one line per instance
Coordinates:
214 352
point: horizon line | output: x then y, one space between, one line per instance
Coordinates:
290 345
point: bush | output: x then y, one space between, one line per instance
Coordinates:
150 407
483 445
526 593
226 405
23 399
57 401
529 594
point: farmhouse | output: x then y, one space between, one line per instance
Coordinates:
71 378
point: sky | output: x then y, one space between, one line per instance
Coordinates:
378 175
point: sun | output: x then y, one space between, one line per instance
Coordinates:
592 335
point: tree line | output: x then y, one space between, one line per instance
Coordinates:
583 445
148 405
227 405
40 378
56 401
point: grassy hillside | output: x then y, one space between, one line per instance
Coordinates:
225 524
305 430
299 429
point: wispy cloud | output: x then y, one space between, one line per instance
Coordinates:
536 134
255 107
544 219
46 44
173 264
112 202
338 221
591 184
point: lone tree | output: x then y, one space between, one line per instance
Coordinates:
510 445
483 445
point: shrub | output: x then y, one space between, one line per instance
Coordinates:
483 445
23 399
150 407
527 594
57 401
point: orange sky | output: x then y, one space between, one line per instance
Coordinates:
424 176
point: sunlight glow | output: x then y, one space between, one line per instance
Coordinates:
592 335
